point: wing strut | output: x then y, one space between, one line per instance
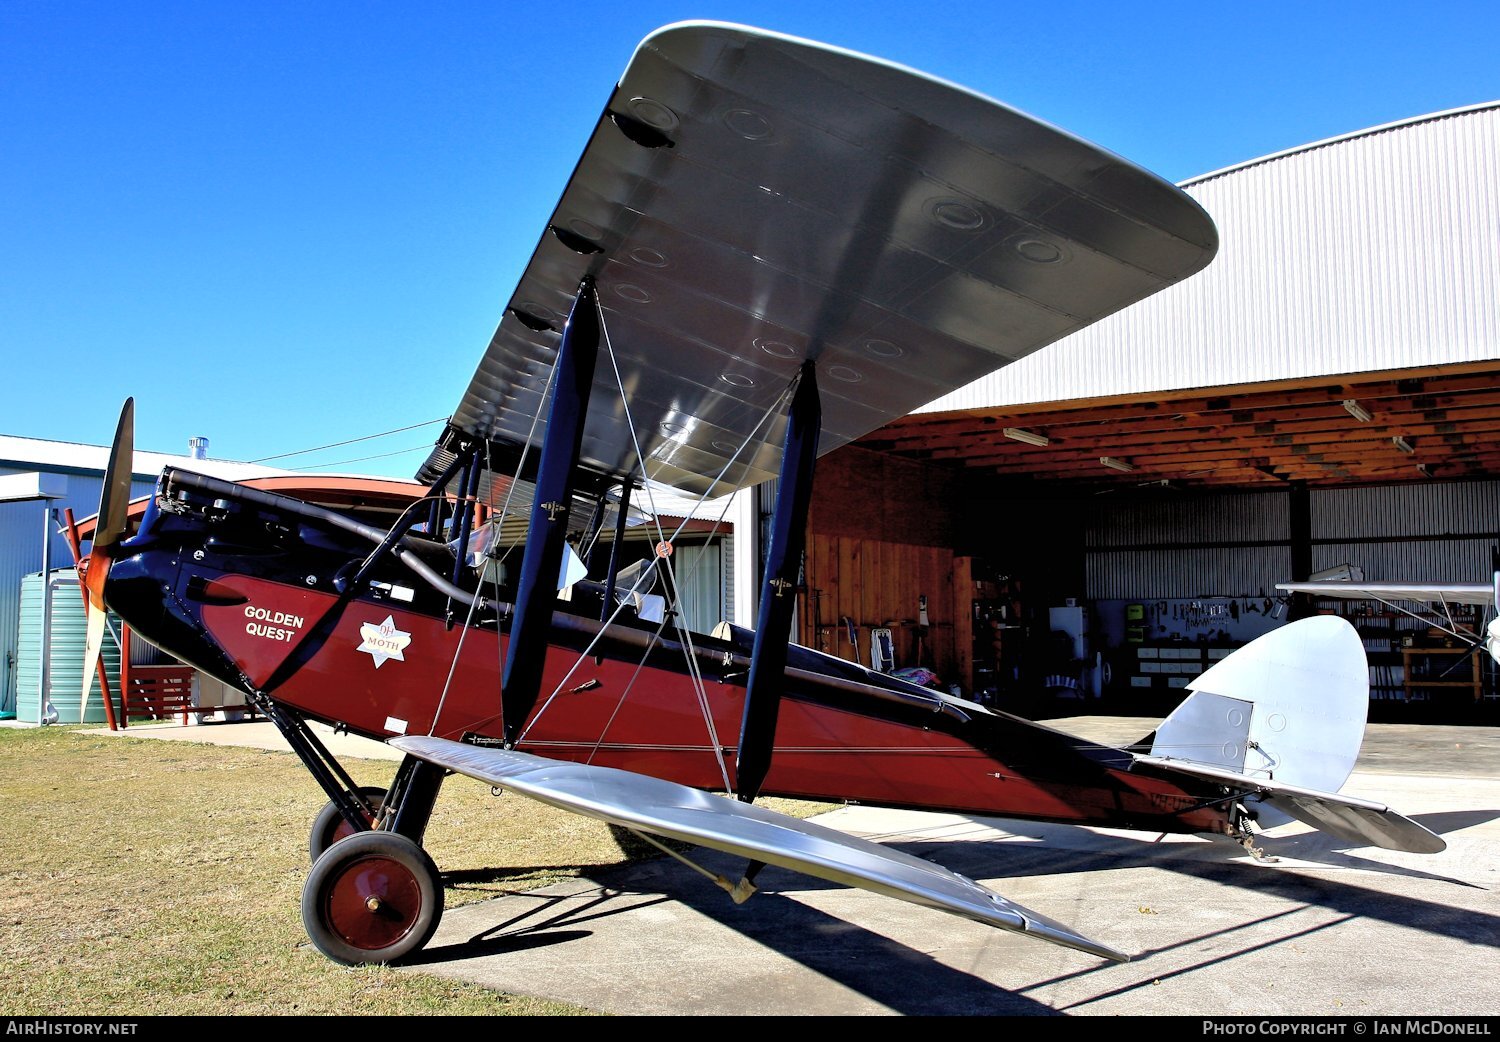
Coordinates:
536 595
778 595
614 552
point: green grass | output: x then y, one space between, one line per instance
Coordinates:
144 877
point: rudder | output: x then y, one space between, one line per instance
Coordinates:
1289 706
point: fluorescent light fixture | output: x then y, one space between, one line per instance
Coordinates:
1402 444
1116 464
1359 412
1029 437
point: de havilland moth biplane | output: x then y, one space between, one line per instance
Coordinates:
769 248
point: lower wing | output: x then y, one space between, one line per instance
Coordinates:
673 811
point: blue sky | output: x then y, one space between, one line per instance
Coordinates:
282 225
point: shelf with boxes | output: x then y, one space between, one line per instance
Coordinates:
991 628
1381 634
1410 660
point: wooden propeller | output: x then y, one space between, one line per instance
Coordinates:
114 502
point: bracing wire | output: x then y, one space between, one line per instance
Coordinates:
674 587
495 572
624 693
587 651
350 441
674 584
713 733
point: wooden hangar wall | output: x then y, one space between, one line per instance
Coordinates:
881 534
884 531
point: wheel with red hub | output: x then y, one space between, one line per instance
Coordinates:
372 898
329 826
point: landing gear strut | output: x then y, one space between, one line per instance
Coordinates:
329 826
373 895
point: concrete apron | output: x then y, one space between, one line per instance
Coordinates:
1326 930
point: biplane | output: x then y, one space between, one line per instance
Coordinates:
1440 596
769 248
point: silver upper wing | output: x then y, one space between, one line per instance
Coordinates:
675 811
749 201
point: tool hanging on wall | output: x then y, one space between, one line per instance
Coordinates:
815 599
853 631
921 630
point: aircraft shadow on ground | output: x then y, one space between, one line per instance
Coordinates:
1216 862
883 970
1444 822
913 982
478 947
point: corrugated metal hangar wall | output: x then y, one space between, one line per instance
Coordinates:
21 554
1238 545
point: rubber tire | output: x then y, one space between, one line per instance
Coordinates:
322 834
387 864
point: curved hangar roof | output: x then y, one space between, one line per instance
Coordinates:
1362 269
1372 251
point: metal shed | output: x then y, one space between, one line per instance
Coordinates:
75 476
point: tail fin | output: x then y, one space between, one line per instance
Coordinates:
1282 720
1288 707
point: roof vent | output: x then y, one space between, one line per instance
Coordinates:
198 447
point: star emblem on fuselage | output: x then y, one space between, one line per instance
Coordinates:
383 641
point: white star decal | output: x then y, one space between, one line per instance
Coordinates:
383 641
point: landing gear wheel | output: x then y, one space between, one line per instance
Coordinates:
329 826
372 898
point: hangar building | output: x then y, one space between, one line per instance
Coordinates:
1325 396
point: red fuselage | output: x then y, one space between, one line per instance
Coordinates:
388 661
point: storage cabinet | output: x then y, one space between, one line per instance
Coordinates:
990 631
1169 665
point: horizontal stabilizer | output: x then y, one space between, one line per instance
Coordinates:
1347 817
678 812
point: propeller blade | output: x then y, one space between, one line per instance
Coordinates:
114 500
114 504
92 647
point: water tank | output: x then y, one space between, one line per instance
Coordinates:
67 638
